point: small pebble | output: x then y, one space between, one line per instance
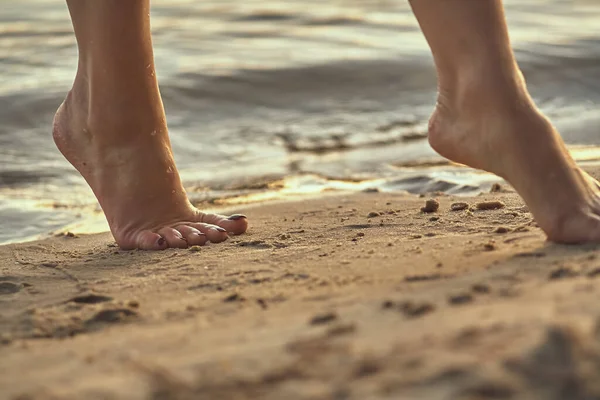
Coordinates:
480 288
321 319
490 246
233 297
195 248
562 272
490 205
373 214
414 310
459 206
133 303
501 230
431 206
387 304
458 299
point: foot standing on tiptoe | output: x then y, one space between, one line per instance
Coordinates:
112 128
485 118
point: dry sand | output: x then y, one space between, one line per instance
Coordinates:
360 296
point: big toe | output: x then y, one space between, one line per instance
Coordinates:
236 223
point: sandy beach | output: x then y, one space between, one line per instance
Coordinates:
353 296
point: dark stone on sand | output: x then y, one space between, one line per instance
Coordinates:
113 315
321 319
9 287
431 206
233 297
262 303
459 206
422 278
133 303
490 246
414 310
373 214
501 230
481 288
562 272
90 299
433 219
386 305
490 205
459 299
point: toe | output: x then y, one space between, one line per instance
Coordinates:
214 233
148 240
236 223
174 238
192 235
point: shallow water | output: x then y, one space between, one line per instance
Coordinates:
319 94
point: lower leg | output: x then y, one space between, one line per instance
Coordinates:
486 119
112 128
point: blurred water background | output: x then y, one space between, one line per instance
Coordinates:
272 98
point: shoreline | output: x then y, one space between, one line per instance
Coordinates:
321 299
425 176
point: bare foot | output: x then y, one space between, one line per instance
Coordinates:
134 176
501 131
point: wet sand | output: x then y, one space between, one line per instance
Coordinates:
359 296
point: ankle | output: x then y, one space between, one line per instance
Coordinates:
477 118
477 92
121 115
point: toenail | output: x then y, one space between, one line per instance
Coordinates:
218 228
199 234
236 217
161 241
